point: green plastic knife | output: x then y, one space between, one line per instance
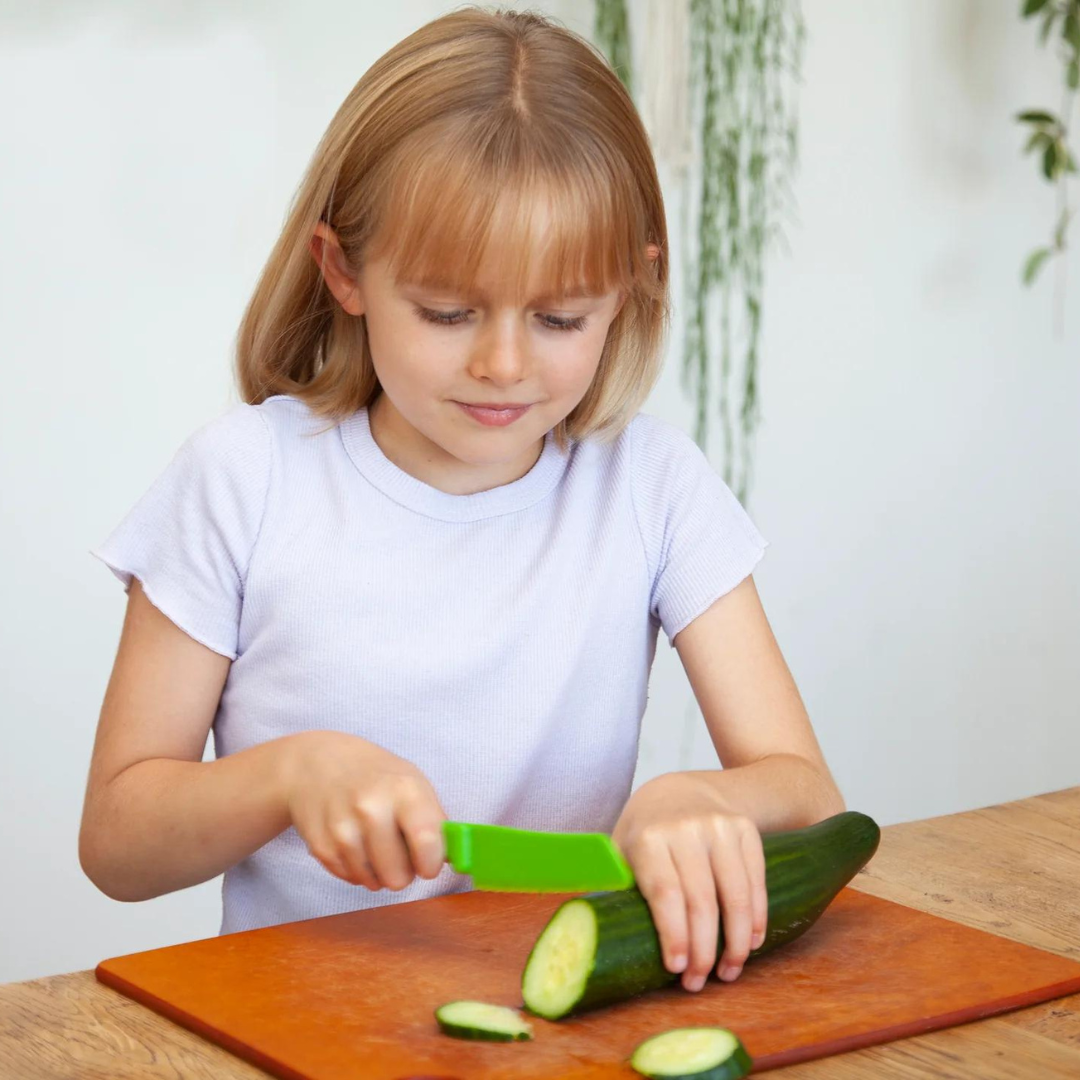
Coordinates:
502 859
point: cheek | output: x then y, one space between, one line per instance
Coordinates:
568 373
405 355
569 354
579 360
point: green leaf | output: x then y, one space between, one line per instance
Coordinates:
1036 116
1048 25
1050 161
1038 138
1034 264
1070 162
1072 73
1070 31
1033 7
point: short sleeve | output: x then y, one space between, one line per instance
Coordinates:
699 541
190 537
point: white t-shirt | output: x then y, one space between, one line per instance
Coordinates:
501 641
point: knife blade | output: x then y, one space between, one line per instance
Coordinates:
505 859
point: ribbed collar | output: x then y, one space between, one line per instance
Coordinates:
408 491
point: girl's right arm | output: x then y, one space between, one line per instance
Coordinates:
157 818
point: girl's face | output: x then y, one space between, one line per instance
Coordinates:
436 352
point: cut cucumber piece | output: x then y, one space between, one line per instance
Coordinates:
596 949
478 1020
701 1053
603 947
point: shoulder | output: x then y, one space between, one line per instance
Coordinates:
674 482
229 454
288 419
656 458
239 427
656 438
663 454
644 437
245 431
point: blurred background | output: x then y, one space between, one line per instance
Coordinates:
916 468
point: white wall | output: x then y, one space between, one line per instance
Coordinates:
917 468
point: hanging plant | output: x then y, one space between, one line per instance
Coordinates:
1049 133
611 31
745 56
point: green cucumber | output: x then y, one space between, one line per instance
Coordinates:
697 1053
603 947
478 1020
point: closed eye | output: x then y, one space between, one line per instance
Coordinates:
452 318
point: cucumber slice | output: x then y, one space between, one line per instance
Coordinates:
701 1053
561 961
478 1020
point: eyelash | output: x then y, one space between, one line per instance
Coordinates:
454 317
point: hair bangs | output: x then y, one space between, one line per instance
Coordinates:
475 224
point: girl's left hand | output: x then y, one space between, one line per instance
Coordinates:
691 856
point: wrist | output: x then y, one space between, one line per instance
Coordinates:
288 750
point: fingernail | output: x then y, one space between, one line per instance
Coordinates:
729 974
678 963
759 937
696 983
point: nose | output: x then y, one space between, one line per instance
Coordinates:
501 354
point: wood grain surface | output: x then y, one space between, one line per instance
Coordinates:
1009 869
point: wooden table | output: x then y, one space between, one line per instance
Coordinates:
1011 869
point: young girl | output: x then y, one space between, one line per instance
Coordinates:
420 572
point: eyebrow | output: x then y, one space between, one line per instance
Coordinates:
436 284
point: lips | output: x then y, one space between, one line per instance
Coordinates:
494 415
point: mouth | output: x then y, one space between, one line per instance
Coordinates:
494 415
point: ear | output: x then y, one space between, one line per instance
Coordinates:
326 250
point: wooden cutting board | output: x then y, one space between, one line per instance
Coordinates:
353 995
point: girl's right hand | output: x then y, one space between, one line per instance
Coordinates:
369 816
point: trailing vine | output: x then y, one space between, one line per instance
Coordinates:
611 29
745 55
1049 133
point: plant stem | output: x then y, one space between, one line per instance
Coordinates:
1063 208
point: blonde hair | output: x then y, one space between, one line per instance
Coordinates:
476 109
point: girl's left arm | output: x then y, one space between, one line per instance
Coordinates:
693 839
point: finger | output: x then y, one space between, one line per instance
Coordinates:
322 850
699 887
730 870
658 881
350 860
386 848
420 822
754 856
322 842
